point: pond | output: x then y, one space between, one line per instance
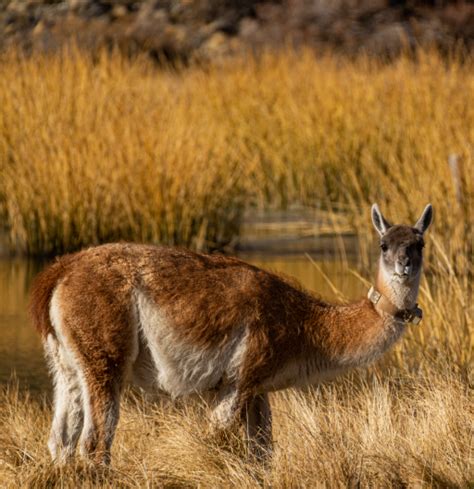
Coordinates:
21 352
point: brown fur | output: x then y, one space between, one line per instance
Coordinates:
206 295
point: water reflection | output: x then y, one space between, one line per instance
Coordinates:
20 347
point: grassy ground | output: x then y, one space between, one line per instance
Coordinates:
399 429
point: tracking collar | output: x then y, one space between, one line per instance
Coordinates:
413 315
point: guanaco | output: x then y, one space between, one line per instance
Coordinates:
175 321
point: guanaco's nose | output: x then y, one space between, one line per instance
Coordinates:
404 264
404 260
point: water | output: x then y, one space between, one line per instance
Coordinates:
21 352
20 346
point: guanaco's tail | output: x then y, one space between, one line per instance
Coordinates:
41 292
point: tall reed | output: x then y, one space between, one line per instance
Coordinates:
100 150
97 149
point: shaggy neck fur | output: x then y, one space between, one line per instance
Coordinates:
356 334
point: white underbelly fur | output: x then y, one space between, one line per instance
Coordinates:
300 374
183 369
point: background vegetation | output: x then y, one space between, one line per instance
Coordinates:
103 148
93 149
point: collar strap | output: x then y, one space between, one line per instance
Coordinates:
413 315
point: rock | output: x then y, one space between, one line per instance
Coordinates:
18 7
389 40
89 8
215 47
148 14
119 11
39 28
248 27
148 24
175 39
77 5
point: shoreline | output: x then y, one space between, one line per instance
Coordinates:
292 232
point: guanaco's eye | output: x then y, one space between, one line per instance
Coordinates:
384 247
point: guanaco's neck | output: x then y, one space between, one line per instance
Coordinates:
356 334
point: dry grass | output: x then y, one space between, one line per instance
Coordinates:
368 430
100 149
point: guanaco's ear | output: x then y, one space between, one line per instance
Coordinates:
380 223
424 221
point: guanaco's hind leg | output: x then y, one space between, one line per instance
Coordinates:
102 404
68 409
100 332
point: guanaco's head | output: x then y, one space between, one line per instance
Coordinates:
401 247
